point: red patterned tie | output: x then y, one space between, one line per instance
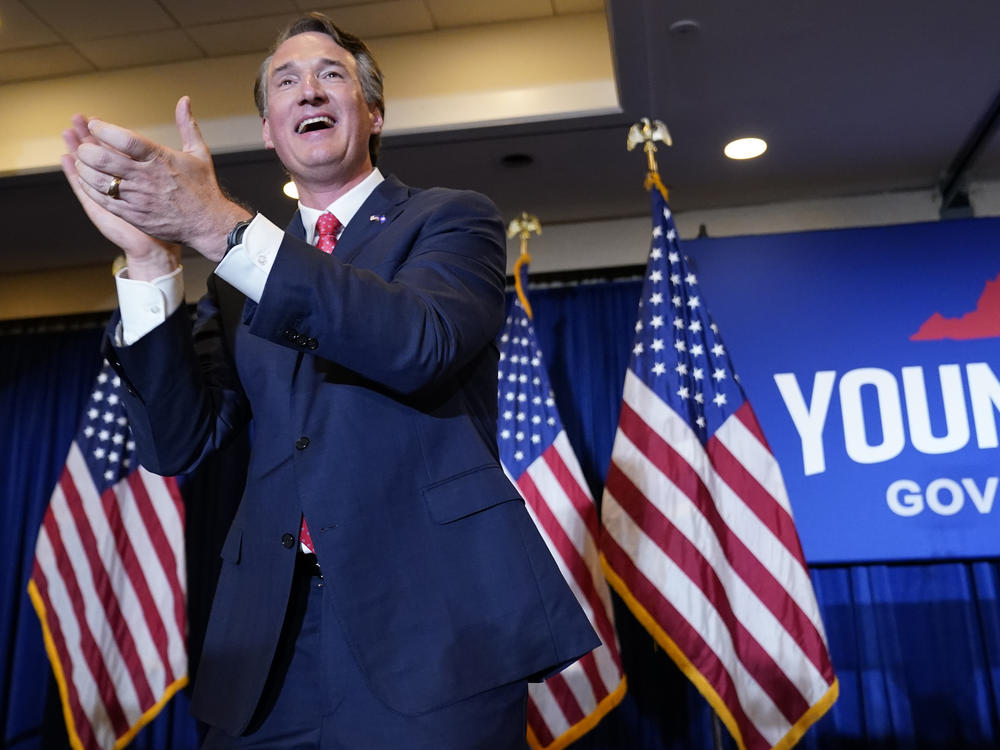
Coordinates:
305 538
327 227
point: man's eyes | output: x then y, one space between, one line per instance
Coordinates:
285 82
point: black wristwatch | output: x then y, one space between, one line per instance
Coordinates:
235 236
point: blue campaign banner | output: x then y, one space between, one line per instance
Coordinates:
872 359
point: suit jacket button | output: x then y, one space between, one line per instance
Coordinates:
287 541
289 334
302 443
312 344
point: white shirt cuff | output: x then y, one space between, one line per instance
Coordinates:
248 264
146 304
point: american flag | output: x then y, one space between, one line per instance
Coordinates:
536 454
699 538
108 581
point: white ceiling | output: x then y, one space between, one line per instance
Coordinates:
47 38
853 97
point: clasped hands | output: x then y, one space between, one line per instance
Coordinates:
147 198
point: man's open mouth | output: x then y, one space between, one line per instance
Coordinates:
322 122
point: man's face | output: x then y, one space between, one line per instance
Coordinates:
317 119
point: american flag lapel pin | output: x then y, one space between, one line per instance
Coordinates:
380 218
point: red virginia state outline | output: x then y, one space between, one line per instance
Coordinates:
981 323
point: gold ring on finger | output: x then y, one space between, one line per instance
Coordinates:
113 188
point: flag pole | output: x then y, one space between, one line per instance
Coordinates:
647 132
523 226
562 507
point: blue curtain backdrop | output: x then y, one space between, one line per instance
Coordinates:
915 646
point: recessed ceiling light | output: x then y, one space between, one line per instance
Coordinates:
745 148
290 190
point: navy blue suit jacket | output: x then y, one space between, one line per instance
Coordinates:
370 379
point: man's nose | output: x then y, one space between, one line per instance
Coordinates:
311 89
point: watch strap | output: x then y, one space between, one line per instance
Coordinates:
235 236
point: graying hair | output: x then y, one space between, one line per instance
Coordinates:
369 73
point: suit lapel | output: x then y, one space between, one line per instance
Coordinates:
295 227
385 203
383 206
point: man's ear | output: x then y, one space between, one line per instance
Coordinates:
265 128
376 119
